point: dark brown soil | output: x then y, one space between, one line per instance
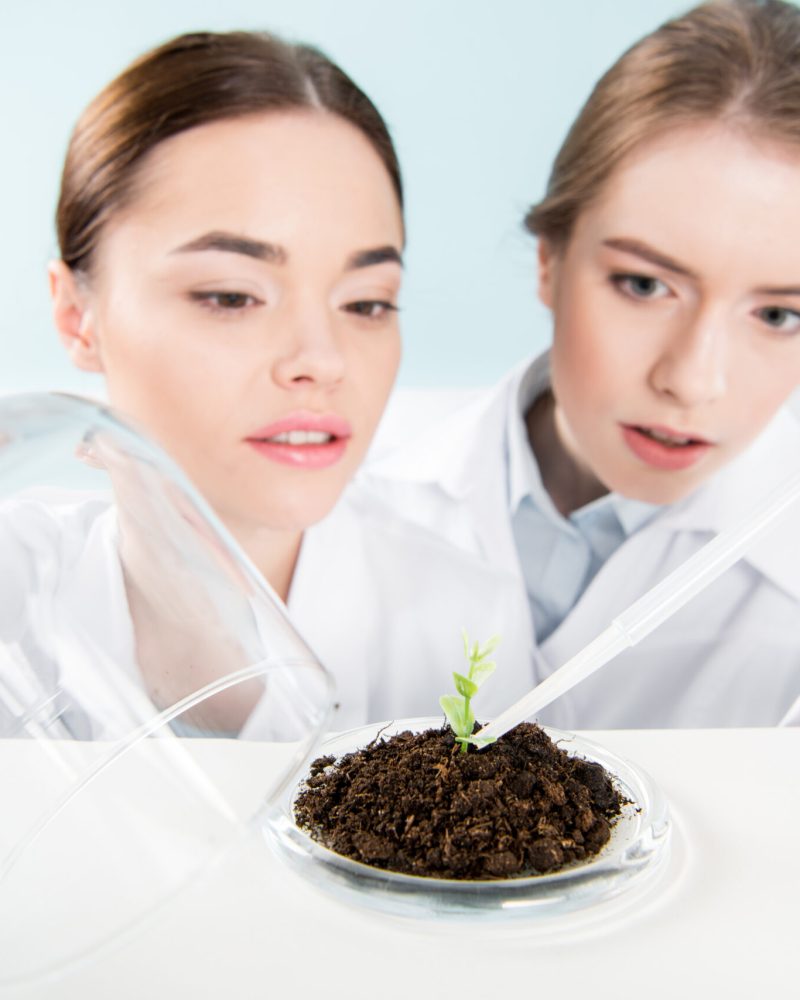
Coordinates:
414 803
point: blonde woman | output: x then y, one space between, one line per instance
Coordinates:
668 258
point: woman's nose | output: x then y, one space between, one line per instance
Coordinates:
691 368
310 353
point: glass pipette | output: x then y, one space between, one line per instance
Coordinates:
651 610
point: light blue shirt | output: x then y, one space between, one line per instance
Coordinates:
559 555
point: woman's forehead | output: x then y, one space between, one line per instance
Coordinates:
707 187
267 176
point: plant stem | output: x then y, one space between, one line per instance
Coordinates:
466 715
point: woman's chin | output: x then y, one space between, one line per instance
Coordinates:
657 488
291 517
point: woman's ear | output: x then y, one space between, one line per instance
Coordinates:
73 317
548 263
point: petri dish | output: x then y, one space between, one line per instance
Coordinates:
629 865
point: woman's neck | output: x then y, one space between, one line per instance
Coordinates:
569 482
274 554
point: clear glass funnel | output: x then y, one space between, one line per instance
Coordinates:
129 617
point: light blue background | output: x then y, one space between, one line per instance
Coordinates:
478 97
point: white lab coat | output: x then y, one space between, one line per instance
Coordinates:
422 545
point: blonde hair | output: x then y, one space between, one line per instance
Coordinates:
727 60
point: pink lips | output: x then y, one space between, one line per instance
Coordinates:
660 455
301 453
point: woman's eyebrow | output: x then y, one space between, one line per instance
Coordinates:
377 255
233 243
784 290
648 253
274 254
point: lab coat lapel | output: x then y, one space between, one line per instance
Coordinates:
321 603
482 487
464 458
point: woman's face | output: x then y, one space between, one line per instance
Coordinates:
243 310
676 306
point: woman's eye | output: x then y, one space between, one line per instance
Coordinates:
779 318
224 301
371 308
640 286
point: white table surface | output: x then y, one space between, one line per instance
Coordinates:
725 922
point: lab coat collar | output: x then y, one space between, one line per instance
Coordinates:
524 477
463 463
453 456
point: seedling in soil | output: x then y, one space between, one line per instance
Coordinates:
458 710
404 804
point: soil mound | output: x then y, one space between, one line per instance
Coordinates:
414 803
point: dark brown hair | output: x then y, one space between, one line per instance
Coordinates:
193 80
727 60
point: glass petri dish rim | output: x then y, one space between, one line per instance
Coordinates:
636 853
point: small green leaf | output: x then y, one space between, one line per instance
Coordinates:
465 687
458 710
490 646
453 708
481 672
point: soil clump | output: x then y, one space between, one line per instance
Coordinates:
414 803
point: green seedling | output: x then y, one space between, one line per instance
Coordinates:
458 710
